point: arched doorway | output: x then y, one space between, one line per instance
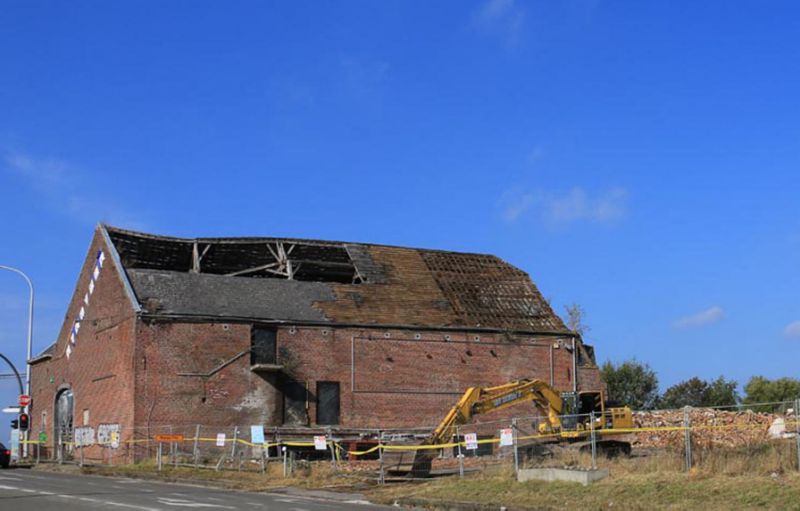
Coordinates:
63 424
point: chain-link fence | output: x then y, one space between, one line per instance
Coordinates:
764 437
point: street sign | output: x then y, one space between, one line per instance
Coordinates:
471 440
12 409
320 443
169 438
42 437
24 400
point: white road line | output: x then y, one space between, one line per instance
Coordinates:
6 478
189 503
118 504
85 499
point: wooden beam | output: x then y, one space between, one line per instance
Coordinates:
253 270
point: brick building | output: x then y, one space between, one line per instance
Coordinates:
297 334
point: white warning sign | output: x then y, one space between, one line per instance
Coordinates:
506 437
320 443
471 439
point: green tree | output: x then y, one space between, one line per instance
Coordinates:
691 392
697 392
722 392
763 390
631 383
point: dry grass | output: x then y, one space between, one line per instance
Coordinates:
762 476
306 475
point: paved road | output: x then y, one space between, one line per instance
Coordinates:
24 490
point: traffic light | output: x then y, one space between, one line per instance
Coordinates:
24 422
14 424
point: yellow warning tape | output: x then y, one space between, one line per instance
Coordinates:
390 447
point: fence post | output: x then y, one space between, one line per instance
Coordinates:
332 444
283 448
380 457
37 452
797 429
687 425
158 456
195 450
514 439
460 455
594 442
235 441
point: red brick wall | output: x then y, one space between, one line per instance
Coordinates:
412 378
232 395
99 370
404 380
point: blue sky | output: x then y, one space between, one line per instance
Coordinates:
639 158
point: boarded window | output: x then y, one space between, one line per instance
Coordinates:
263 346
294 402
328 402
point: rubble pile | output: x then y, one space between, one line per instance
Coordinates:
710 428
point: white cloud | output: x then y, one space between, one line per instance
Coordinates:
792 329
63 187
575 205
501 17
702 318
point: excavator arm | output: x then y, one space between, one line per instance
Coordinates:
478 400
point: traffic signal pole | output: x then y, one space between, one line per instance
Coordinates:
30 342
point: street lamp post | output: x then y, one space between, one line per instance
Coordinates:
30 345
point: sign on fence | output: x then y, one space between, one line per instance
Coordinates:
471 440
105 434
320 443
220 440
169 438
257 434
506 437
84 437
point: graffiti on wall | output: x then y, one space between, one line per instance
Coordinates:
76 325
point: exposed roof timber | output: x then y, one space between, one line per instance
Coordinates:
393 285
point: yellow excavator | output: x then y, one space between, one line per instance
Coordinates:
568 419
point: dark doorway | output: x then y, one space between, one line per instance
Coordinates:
63 423
328 402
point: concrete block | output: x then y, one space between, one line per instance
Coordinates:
583 476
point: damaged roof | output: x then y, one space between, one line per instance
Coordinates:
311 281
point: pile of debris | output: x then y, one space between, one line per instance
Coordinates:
710 428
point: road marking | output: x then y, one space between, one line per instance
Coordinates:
189 503
118 504
86 499
6 478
